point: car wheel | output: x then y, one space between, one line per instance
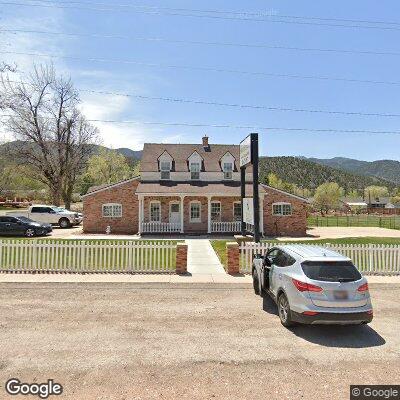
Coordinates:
64 223
256 284
30 233
284 311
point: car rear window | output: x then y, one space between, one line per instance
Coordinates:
331 271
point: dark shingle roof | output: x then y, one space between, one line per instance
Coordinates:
181 152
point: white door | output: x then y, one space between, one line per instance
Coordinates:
174 213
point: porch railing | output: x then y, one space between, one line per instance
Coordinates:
222 227
160 227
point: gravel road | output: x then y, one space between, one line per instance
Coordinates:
137 341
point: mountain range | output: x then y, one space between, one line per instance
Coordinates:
384 169
304 172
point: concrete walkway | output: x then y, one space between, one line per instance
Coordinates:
202 258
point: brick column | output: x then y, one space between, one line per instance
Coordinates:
233 257
181 258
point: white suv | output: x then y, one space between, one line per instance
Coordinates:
312 285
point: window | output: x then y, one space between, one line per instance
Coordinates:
331 271
215 211
155 212
282 209
195 212
237 211
228 168
165 167
194 170
112 210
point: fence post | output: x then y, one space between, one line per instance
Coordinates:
232 257
181 258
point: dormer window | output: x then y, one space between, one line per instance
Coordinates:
165 167
194 171
228 169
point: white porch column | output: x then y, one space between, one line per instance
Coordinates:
140 215
182 214
209 213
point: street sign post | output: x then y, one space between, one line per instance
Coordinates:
249 156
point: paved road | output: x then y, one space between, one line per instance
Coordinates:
126 341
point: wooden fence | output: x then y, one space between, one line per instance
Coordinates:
226 227
369 258
87 256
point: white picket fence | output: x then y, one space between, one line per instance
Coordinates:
78 256
228 227
369 258
160 227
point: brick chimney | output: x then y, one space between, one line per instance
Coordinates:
205 141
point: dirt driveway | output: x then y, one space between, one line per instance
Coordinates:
116 341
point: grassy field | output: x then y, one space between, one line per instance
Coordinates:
89 255
389 221
219 246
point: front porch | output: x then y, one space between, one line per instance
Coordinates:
184 214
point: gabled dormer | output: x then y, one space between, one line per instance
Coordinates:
227 165
195 163
165 164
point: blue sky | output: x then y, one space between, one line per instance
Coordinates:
223 87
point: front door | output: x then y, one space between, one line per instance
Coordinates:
174 213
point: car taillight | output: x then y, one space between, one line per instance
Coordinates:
311 313
306 287
363 288
370 312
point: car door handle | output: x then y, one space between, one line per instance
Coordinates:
280 276
8 225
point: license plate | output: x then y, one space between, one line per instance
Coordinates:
340 295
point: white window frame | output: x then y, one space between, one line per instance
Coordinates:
114 208
281 213
163 170
211 212
233 211
197 176
153 203
195 220
228 173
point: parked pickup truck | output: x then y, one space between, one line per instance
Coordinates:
50 215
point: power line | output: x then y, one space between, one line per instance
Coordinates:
196 42
160 12
233 105
252 13
208 69
236 105
247 127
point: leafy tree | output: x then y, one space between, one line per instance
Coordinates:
327 196
375 192
107 167
353 194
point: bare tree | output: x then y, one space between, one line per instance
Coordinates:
53 136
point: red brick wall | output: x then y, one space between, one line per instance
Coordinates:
164 206
194 227
290 225
226 207
94 222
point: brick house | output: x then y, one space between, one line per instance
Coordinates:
189 189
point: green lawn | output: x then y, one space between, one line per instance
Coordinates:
388 221
219 246
96 255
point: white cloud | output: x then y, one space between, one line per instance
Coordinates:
113 107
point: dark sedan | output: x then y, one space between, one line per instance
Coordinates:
22 226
